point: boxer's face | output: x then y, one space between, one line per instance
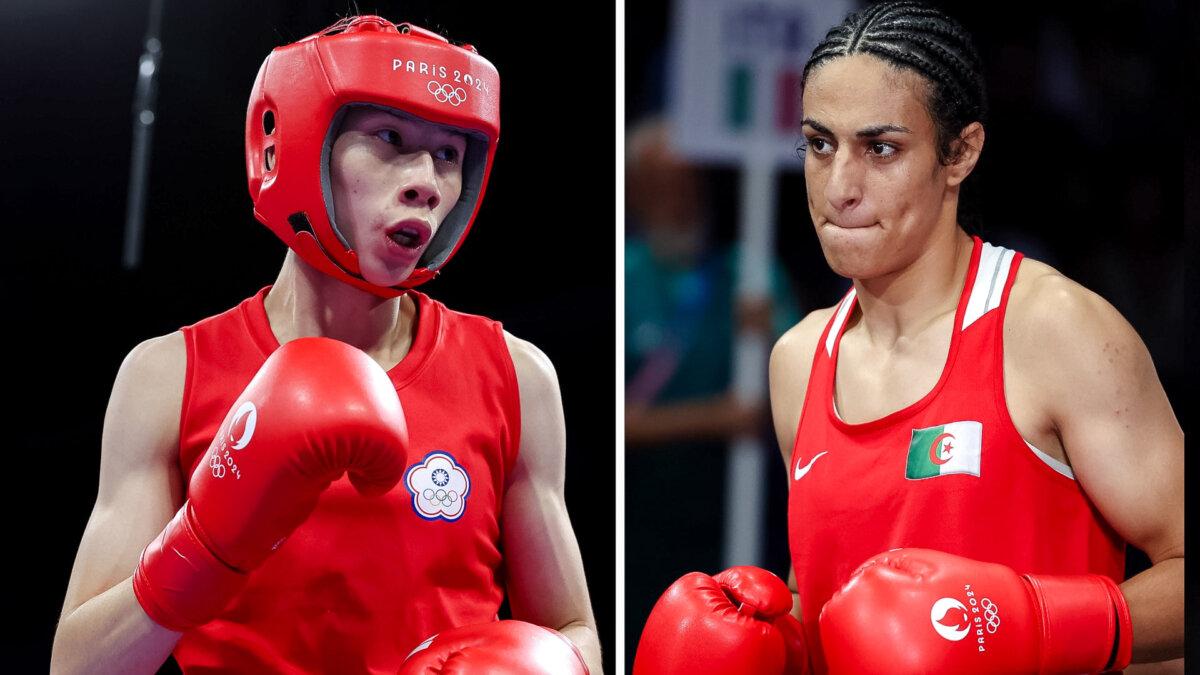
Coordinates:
875 186
393 181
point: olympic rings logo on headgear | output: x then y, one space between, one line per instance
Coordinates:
444 93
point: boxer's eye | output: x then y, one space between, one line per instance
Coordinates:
448 153
820 145
390 136
882 150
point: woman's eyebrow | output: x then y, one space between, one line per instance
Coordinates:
879 130
867 132
821 128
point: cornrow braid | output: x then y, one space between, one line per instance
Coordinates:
925 40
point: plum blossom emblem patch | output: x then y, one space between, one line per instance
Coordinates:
439 486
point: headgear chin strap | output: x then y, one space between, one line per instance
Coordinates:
299 96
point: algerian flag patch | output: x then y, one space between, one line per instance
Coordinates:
950 448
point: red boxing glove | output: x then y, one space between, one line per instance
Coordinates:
316 409
497 648
916 610
736 622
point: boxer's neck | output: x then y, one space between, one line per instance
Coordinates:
904 303
305 302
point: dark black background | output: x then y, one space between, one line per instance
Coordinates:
1097 191
541 256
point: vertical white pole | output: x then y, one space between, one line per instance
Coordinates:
746 475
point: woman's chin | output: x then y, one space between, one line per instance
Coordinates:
852 262
856 253
387 277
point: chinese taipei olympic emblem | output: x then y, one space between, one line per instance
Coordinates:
438 486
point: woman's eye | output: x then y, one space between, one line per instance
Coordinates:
390 136
882 149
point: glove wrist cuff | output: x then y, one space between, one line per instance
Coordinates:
1085 623
798 659
178 582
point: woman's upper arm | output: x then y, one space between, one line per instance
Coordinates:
791 361
140 483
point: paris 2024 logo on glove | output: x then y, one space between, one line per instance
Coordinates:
953 620
439 486
241 430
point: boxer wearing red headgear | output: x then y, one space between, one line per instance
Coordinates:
368 150
299 96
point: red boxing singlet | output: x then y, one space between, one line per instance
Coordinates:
949 472
363 581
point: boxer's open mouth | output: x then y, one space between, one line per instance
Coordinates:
411 233
407 238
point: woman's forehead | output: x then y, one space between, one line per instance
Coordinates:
368 115
861 90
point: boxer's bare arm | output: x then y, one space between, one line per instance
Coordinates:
546 583
102 628
791 363
1099 390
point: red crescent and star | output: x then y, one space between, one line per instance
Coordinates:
934 455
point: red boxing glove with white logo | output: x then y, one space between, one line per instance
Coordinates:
316 409
497 648
918 611
734 623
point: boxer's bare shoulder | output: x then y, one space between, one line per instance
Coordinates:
541 406
531 363
535 528
150 384
1075 365
140 485
791 361
1060 340
1046 304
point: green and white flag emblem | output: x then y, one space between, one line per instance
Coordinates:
950 448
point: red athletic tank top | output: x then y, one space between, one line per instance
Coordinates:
363 581
949 472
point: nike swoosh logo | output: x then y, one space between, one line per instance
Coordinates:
802 470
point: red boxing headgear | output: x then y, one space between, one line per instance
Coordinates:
302 91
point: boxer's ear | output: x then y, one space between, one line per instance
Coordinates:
965 152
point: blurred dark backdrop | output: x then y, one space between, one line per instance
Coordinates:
1082 169
69 69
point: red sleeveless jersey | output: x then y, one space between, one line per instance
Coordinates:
363 581
949 472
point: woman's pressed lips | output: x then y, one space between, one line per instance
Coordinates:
851 226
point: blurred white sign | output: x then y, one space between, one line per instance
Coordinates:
736 75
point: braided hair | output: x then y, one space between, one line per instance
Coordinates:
920 38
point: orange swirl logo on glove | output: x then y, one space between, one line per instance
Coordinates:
949 619
952 619
241 429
